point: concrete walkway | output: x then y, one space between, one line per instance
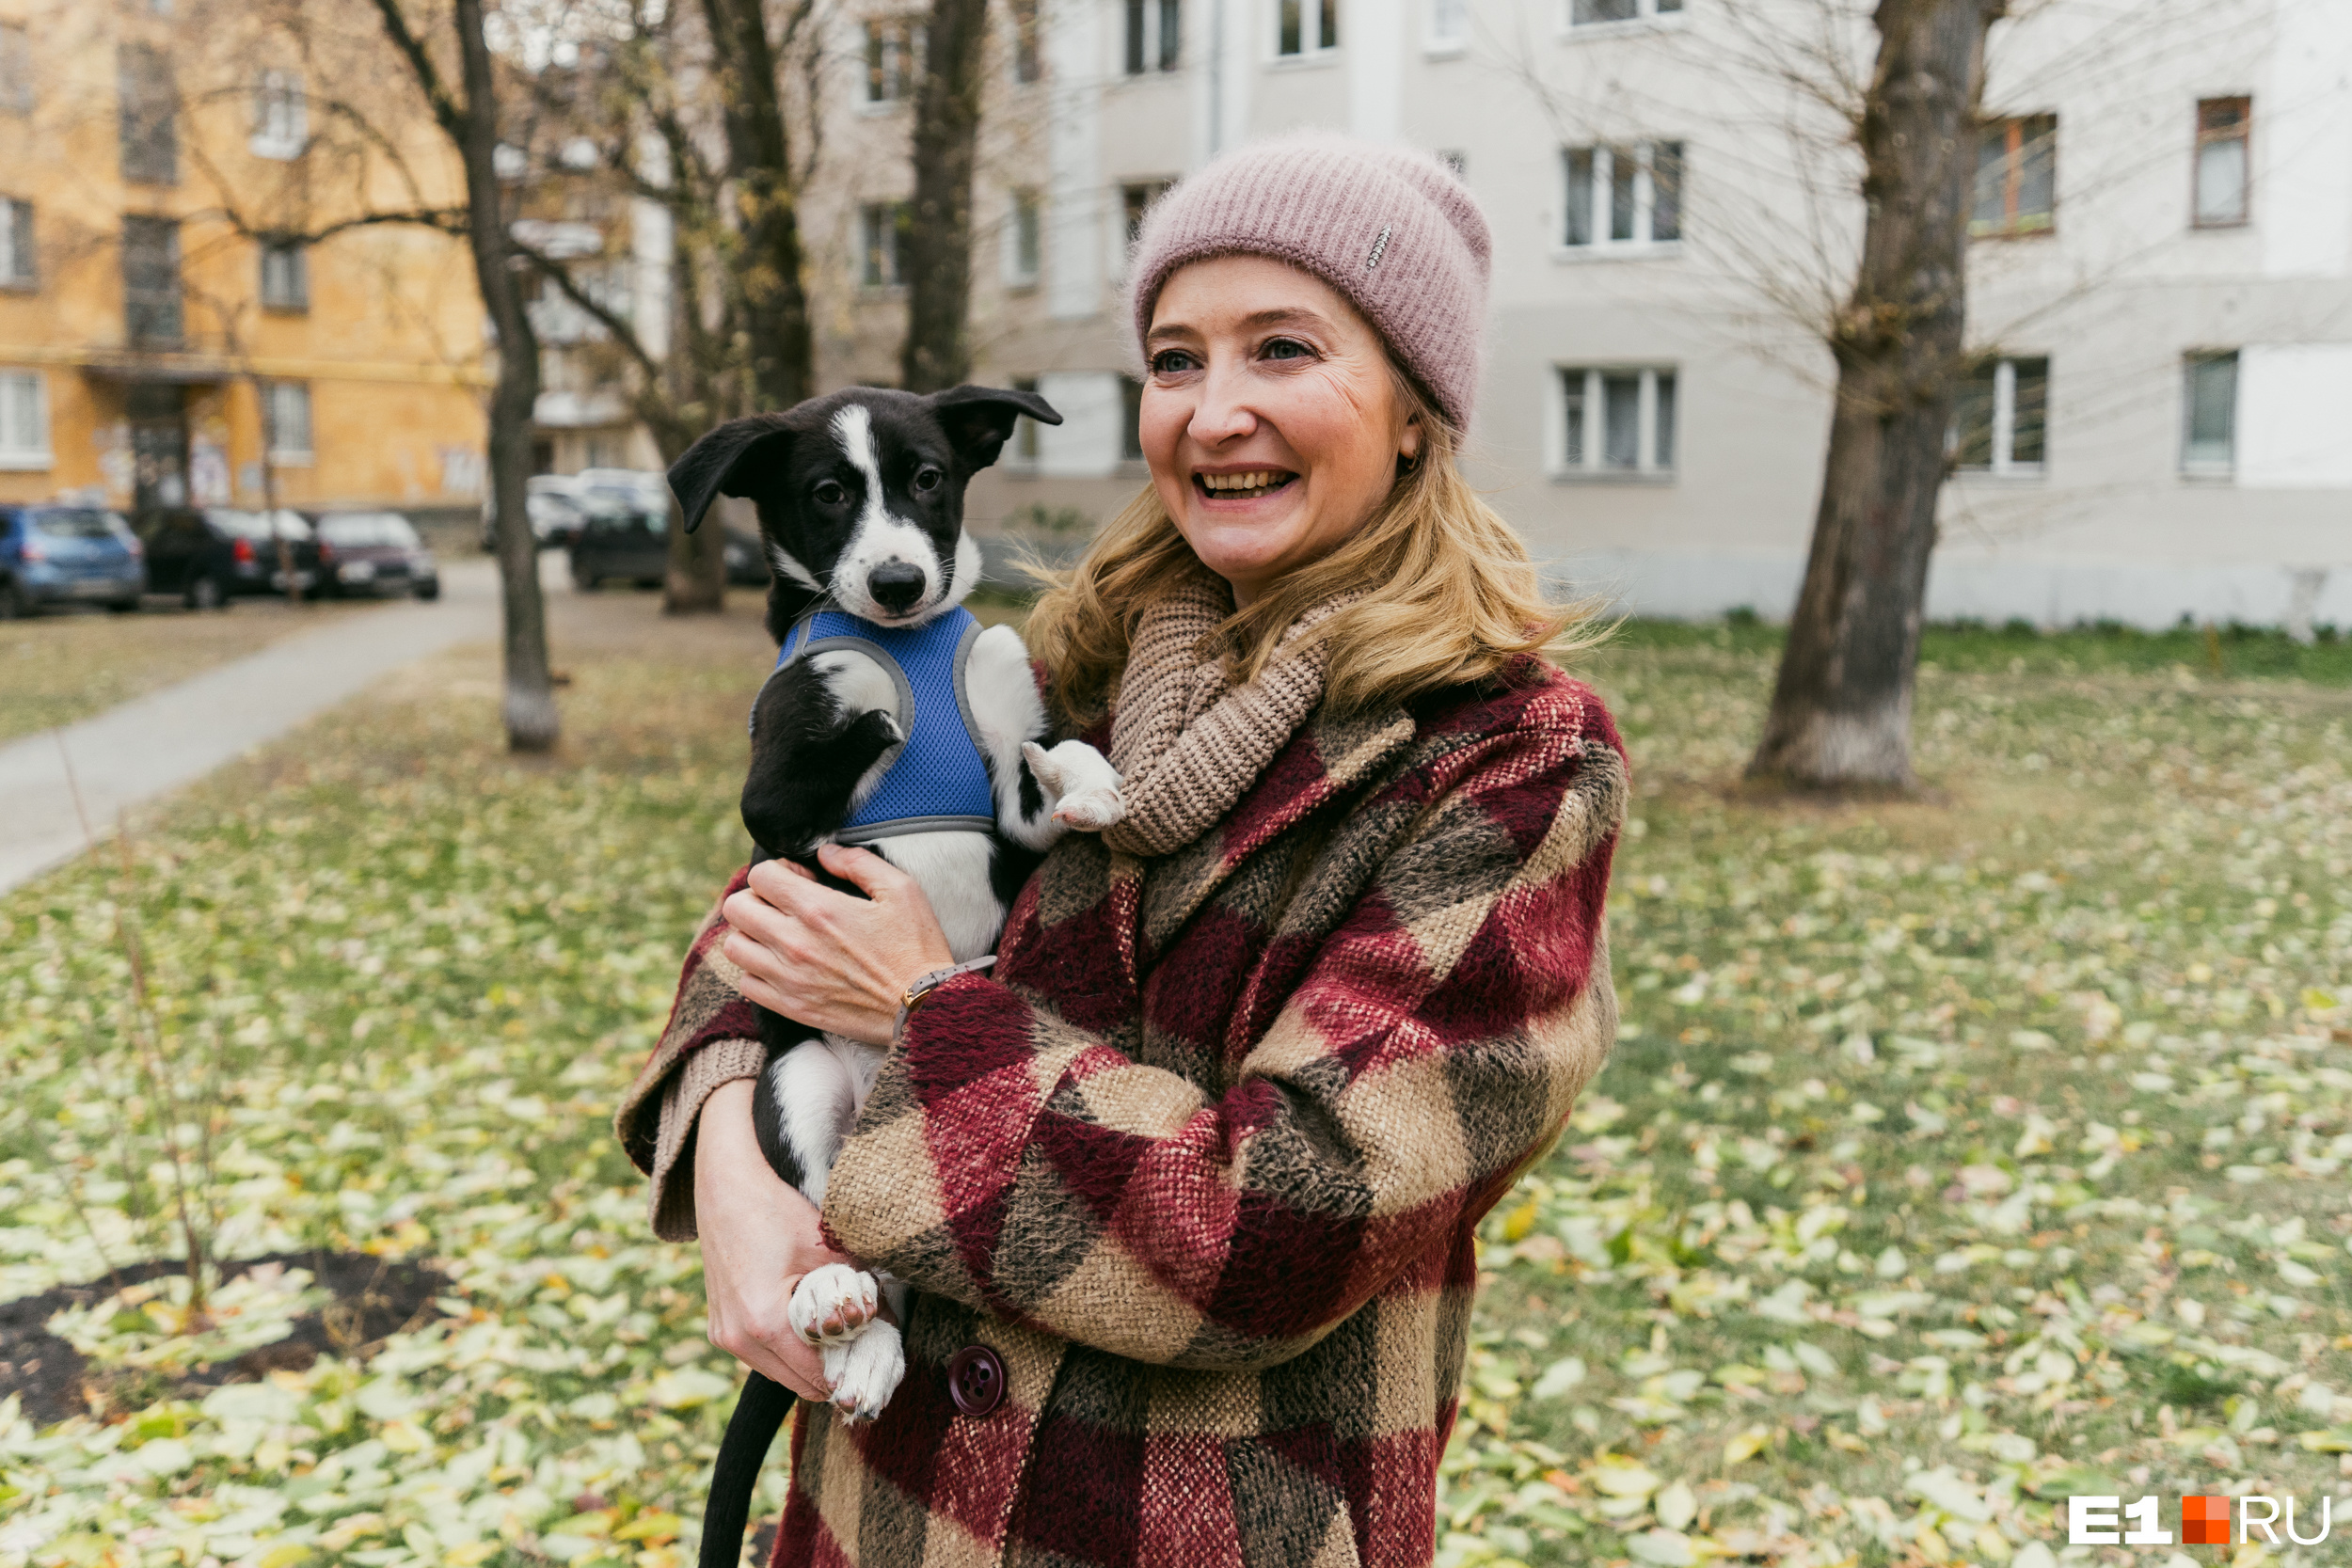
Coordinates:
154 744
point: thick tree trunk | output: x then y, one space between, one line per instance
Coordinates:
774 294
1841 709
937 247
695 580
531 723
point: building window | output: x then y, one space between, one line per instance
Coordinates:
1584 13
2016 177
2209 440
286 416
892 44
2000 416
1025 254
1457 162
1449 23
1624 195
150 280
1130 420
285 275
1028 44
24 421
17 268
16 69
1617 421
1155 35
880 226
149 105
281 115
1305 26
1134 199
2224 127
1026 443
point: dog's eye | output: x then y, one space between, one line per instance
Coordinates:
831 493
927 480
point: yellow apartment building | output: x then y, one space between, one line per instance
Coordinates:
199 244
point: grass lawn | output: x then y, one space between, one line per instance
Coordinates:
62 666
1957 1156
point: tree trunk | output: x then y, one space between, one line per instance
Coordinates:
695 580
774 294
1841 709
937 247
532 722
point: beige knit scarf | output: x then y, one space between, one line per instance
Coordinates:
1187 742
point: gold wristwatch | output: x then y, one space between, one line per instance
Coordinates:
926 984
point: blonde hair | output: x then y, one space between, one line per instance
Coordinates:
1448 594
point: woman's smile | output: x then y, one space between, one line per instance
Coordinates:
1230 490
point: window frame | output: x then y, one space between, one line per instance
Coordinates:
1325 16
1152 38
1645 14
1024 231
1131 211
2192 466
1579 430
1438 39
280 454
1027 48
2209 135
19 242
147 114
2001 423
19 95
37 457
136 299
890 61
894 217
1600 162
281 115
2015 224
297 302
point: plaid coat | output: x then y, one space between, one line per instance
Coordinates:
1201 1159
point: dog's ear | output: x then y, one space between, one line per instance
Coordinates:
979 420
724 460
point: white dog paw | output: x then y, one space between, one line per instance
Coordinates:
865 1372
832 1305
1090 811
1082 782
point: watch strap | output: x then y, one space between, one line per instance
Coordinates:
926 984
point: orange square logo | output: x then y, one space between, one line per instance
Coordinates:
2204 1521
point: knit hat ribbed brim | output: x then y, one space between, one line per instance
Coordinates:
1390 228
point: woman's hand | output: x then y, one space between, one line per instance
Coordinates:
759 1236
825 959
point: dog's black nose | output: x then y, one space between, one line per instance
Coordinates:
896 586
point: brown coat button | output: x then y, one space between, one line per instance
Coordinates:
976 1380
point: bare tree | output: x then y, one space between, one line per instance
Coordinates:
469 118
937 245
696 112
1841 707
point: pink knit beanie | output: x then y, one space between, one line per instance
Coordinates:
1390 228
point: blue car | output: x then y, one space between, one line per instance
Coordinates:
52 554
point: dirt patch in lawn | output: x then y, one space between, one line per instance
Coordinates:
371 1298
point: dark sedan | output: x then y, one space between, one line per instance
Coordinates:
207 554
373 552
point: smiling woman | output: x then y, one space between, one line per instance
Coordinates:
1185 1187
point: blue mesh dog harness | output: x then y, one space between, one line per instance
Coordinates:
939 777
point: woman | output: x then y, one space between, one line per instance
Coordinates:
1185 1187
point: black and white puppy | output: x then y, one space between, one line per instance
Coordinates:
861 512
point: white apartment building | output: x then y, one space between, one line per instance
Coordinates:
2159 425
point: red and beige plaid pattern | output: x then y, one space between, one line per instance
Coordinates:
1201 1159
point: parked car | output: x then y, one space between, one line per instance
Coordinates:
553 504
67 555
621 542
209 554
747 563
373 552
